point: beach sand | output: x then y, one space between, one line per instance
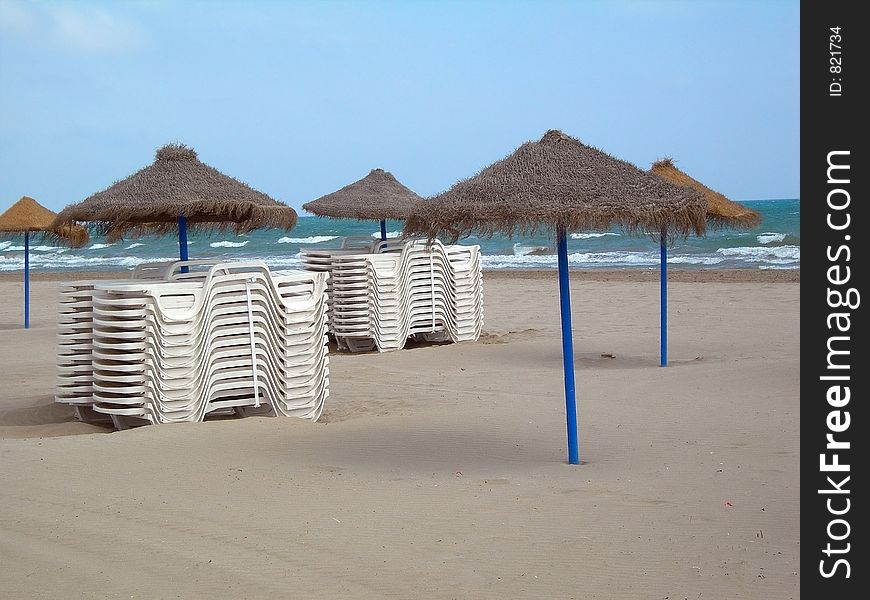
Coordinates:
439 471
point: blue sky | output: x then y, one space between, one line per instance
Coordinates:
300 98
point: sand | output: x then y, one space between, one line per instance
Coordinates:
439 471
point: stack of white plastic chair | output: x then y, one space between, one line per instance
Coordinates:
232 336
75 335
75 341
428 291
321 259
349 319
75 344
349 314
405 289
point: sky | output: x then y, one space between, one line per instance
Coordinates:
298 99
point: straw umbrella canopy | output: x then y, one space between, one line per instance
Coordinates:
562 185
559 183
378 196
721 211
178 190
29 216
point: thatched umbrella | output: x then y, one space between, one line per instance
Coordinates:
29 216
721 213
177 190
378 196
561 185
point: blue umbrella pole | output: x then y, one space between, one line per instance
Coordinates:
383 229
182 240
26 280
567 350
663 250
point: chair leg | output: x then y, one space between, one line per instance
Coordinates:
120 423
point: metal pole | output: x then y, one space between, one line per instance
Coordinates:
567 350
182 240
663 251
383 229
26 280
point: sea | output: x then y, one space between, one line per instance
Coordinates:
775 244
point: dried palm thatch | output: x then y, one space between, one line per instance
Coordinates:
721 212
28 215
376 197
560 183
177 183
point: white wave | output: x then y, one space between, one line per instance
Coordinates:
77 262
763 253
314 239
283 262
501 261
277 261
768 237
7 247
99 246
225 244
783 256
616 258
520 250
587 236
390 234
133 245
587 259
693 259
122 263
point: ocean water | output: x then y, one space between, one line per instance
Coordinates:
775 244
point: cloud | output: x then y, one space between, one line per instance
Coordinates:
16 18
76 27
